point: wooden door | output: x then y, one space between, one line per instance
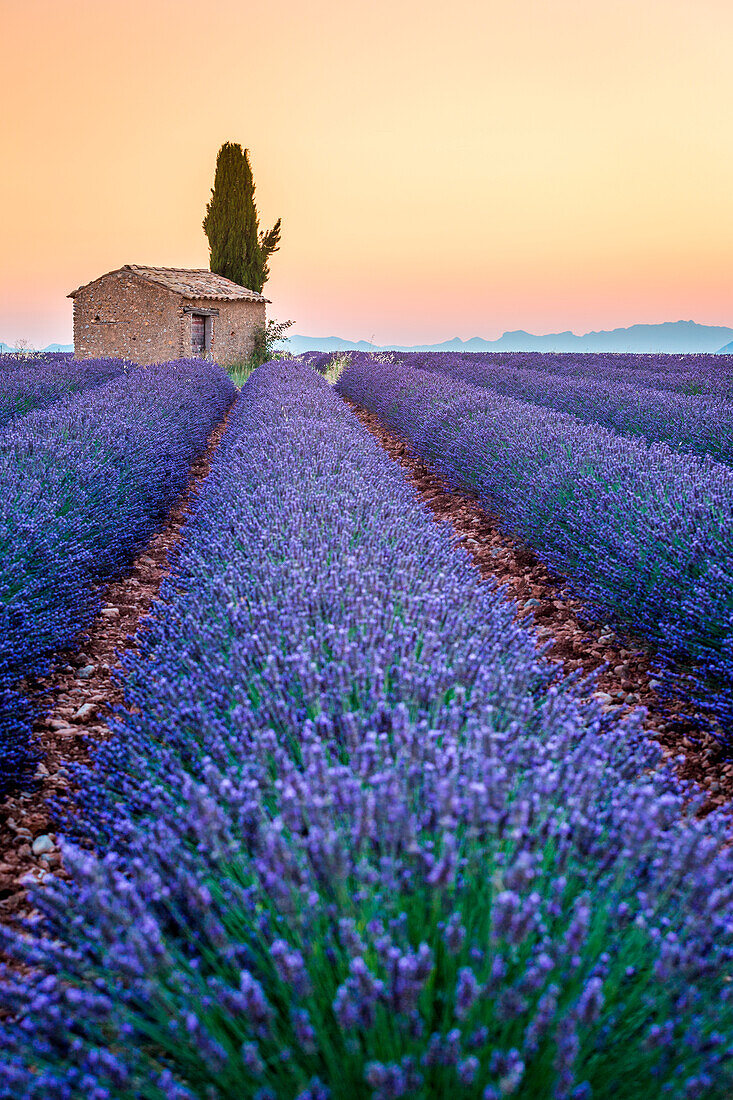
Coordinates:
198 330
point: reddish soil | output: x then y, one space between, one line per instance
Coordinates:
75 704
623 668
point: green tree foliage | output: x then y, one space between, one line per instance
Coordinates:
266 341
238 249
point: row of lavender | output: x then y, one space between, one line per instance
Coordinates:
616 399
15 360
35 383
689 374
83 485
644 535
352 837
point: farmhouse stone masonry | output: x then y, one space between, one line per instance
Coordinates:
152 314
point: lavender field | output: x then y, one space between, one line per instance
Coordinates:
639 522
85 482
351 834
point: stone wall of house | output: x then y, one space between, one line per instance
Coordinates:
126 317
233 330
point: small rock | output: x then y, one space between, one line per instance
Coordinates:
41 771
632 697
110 613
144 559
22 833
654 685
531 603
87 710
621 669
63 774
86 672
42 844
602 697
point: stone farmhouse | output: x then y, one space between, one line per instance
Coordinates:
152 314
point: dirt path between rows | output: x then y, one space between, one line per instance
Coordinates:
624 669
78 695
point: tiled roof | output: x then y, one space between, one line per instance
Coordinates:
196 283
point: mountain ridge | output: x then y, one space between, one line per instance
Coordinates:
669 336
5 349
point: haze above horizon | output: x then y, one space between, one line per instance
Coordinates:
536 165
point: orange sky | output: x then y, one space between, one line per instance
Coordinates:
440 169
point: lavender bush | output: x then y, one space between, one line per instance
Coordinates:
38 382
354 837
84 485
644 534
695 425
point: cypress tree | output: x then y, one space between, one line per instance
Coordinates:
224 221
237 248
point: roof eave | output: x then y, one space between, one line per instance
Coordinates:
178 293
220 298
118 271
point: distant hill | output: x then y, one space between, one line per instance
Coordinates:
297 344
671 336
727 350
5 348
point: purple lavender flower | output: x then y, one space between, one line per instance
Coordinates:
357 998
468 991
467 1070
290 967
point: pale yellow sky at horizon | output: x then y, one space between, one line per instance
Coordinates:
440 170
